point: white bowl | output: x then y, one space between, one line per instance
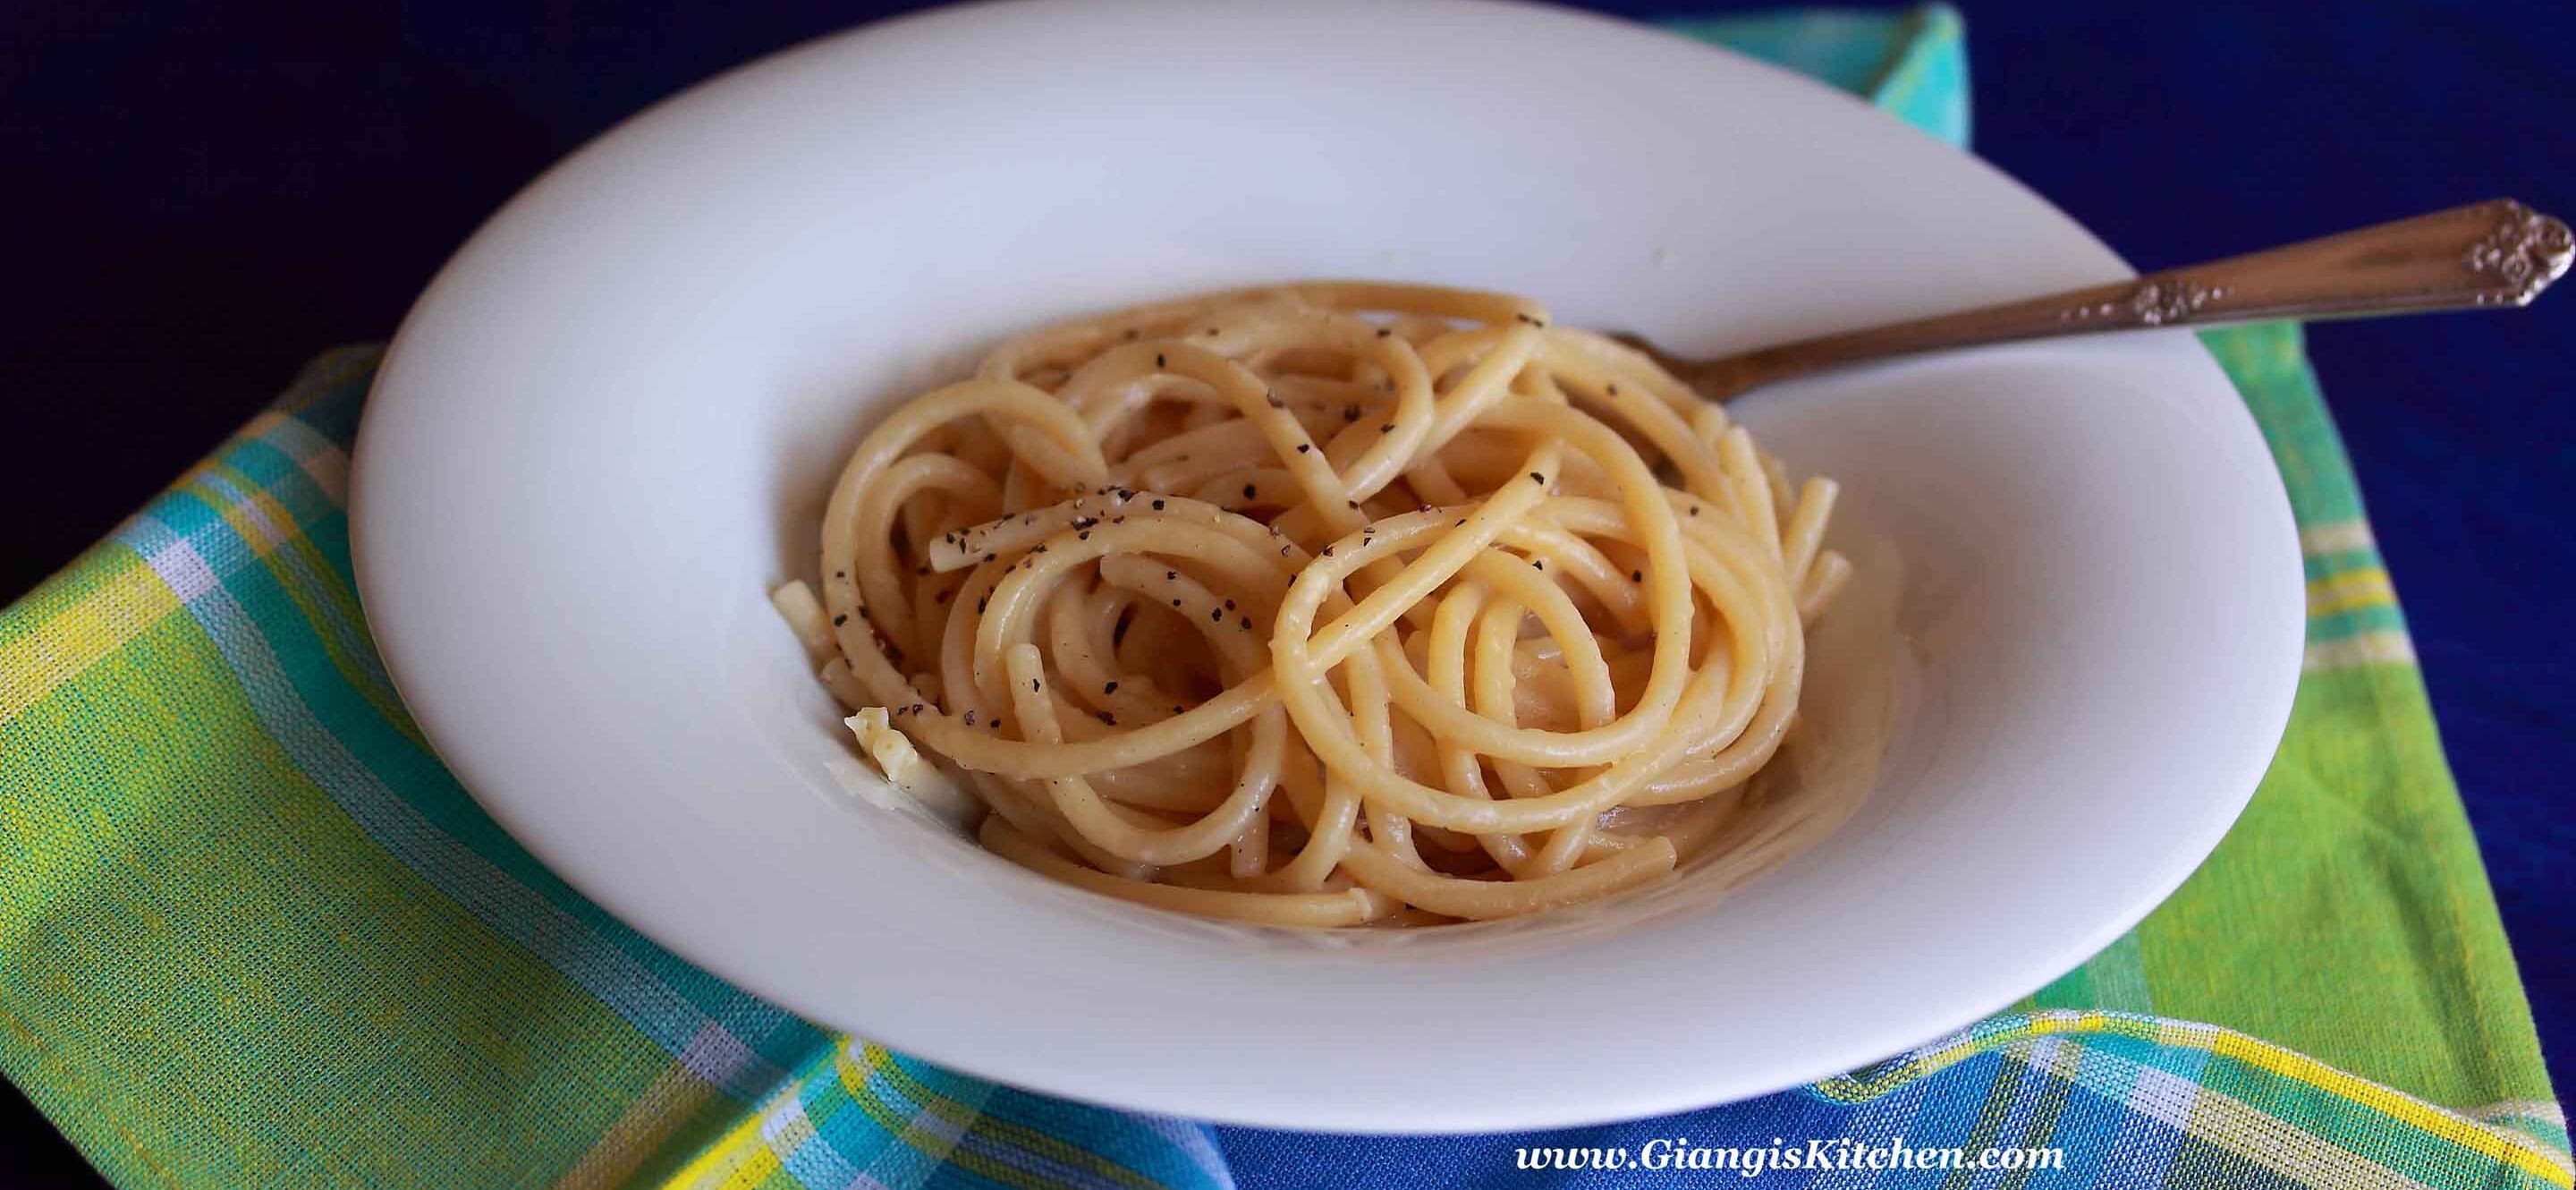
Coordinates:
607 429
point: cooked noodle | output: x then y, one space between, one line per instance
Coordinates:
1330 604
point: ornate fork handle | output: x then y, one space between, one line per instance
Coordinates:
2497 253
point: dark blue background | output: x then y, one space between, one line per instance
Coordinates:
196 197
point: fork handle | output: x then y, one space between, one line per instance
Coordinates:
2495 253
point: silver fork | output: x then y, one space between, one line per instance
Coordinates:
2491 254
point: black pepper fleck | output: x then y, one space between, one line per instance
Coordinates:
1535 477
1158 506
1303 448
1249 491
1107 718
837 621
1636 576
1111 688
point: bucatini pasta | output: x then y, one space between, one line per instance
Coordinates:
1328 604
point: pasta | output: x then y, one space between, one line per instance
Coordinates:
1328 604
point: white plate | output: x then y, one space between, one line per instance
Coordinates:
607 428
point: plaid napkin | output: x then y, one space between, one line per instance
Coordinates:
252 934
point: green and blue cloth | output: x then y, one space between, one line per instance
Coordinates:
253 934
